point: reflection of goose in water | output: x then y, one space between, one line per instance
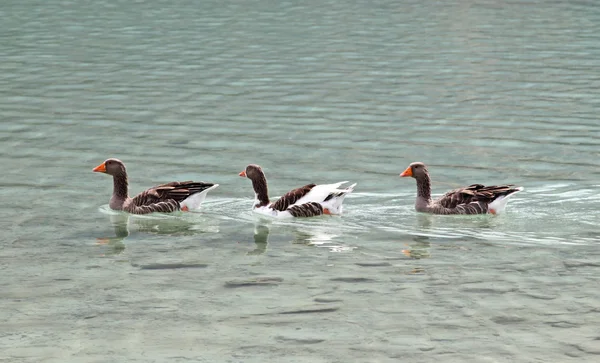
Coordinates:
318 236
119 222
419 248
433 223
125 224
173 226
441 232
261 239
310 235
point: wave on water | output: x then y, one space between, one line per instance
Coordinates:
540 215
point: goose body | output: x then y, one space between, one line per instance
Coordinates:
307 201
474 199
164 198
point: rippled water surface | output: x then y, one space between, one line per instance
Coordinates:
316 91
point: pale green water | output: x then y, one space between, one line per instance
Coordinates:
322 91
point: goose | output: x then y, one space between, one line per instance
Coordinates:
307 201
164 198
474 199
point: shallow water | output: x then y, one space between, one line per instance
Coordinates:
314 92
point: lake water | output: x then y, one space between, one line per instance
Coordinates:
316 91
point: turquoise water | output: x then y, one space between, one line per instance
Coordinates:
314 92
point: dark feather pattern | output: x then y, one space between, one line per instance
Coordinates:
291 197
474 199
470 208
311 209
160 207
474 193
332 195
179 191
164 198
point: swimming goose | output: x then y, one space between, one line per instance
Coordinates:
307 201
474 199
164 198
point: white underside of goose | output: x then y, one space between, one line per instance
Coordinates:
268 211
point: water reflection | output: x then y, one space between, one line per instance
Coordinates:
316 236
115 243
424 220
419 248
261 239
304 234
125 225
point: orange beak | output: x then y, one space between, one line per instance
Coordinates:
100 168
407 172
242 174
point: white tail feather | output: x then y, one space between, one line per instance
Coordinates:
194 201
335 204
499 204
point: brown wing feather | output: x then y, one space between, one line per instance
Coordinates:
160 207
165 198
475 198
311 209
458 196
146 198
467 208
179 191
291 197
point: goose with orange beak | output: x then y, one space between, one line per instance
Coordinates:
164 198
474 199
